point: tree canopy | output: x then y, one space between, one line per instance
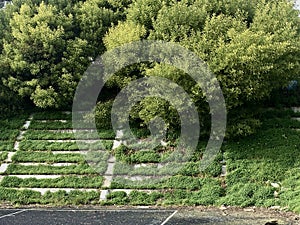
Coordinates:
49 45
251 46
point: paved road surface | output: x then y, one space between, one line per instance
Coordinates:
135 217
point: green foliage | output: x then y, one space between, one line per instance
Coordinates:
130 156
142 198
13 122
285 97
48 46
3 156
94 18
53 125
144 12
32 145
178 20
101 115
269 156
52 115
207 195
123 33
72 198
58 135
248 194
61 182
48 169
48 157
57 198
44 27
19 196
7 134
246 44
7 146
240 128
117 198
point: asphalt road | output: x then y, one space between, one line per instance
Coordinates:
134 217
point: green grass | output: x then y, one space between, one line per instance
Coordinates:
272 155
7 145
13 123
48 157
52 116
43 145
57 198
8 134
3 156
48 169
174 182
59 135
207 195
61 182
185 169
50 125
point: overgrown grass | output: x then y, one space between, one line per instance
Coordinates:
3 156
173 182
208 194
57 198
52 116
7 145
270 156
48 157
60 135
61 182
262 169
48 169
43 145
50 125
8 134
14 122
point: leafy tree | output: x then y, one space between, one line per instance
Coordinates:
38 54
49 45
251 46
94 19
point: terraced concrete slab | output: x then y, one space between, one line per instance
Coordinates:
107 181
9 156
69 152
27 124
116 144
296 109
21 135
3 167
16 145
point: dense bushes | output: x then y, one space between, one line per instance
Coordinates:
49 44
251 46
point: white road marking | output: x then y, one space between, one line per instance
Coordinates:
12 214
170 217
102 210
